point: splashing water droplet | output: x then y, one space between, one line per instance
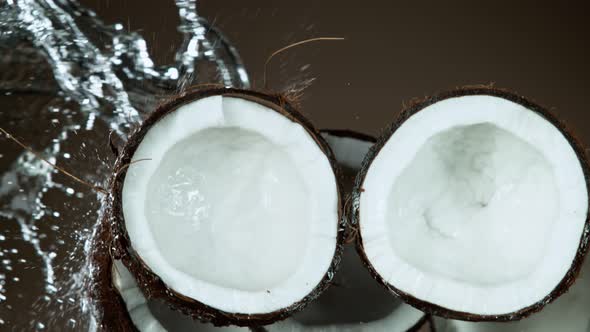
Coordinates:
80 79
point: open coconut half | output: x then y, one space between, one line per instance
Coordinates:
474 206
235 217
354 302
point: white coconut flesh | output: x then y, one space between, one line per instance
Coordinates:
475 204
151 316
237 207
569 313
355 302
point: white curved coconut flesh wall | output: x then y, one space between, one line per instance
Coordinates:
348 151
569 313
476 204
401 320
142 316
237 208
354 302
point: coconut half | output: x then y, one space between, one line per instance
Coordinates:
235 217
474 206
354 302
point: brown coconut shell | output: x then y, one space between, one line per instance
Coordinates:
345 177
150 284
431 308
110 310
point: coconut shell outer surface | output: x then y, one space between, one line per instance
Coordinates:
149 283
350 228
431 308
110 310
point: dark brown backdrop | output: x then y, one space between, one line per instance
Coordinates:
394 50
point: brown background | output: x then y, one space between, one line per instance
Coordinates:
393 52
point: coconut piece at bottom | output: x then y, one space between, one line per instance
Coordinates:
354 302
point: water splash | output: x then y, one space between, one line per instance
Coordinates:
69 79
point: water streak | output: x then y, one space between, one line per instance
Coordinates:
91 78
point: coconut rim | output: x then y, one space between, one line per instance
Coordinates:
416 106
149 283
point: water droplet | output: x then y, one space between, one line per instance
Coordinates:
51 289
89 80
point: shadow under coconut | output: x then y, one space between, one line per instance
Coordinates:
355 302
354 297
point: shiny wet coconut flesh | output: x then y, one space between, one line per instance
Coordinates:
474 206
235 218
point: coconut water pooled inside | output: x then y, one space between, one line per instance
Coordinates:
66 80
